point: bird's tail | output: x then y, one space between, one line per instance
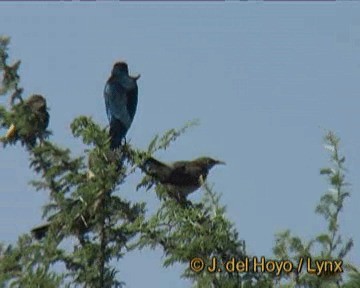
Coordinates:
40 231
117 133
155 168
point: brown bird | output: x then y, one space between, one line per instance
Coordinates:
40 231
78 227
181 177
29 121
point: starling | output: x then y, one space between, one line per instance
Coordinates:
32 119
40 231
121 97
182 177
79 226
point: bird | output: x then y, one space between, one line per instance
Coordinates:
39 232
121 98
180 178
30 120
79 225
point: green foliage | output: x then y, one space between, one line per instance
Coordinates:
10 77
163 142
27 265
328 245
27 124
196 230
354 281
87 206
157 143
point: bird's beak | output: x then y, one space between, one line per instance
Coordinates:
136 77
220 162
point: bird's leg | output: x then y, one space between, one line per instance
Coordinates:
124 142
201 180
124 152
41 141
81 239
181 199
188 204
112 156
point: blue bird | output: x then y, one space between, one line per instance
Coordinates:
121 97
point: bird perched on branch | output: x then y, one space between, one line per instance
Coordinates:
40 231
121 97
79 225
28 121
182 177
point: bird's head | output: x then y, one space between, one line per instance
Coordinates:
121 68
208 162
37 103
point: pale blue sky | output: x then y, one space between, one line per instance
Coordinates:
264 79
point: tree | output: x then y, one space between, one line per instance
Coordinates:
85 206
330 244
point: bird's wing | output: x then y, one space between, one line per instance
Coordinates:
186 167
184 173
116 102
107 101
132 100
156 169
35 102
46 119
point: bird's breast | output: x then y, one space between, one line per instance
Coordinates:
183 190
128 83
